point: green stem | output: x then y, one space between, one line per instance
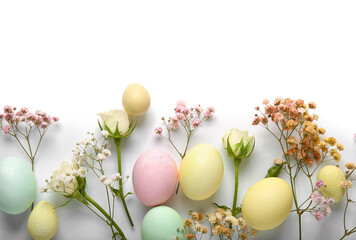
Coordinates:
237 162
122 195
110 220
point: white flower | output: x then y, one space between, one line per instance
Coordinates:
102 178
101 157
241 145
116 119
107 152
86 141
107 182
115 177
105 133
62 179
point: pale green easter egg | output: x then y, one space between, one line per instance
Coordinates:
201 172
161 223
17 185
267 203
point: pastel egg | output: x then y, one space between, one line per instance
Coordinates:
136 100
332 177
154 177
201 172
17 185
160 223
267 203
42 223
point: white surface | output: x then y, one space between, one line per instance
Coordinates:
74 59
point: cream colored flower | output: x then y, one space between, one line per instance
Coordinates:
116 119
240 144
63 180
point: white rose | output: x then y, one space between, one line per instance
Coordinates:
116 118
240 143
63 180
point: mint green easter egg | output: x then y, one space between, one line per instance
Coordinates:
17 185
161 223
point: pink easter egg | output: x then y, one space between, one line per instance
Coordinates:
154 177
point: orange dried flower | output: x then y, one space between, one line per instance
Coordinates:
188 223
190 236
227 232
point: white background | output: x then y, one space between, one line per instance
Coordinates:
75 58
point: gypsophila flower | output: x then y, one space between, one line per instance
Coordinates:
102 178
158 130
188 118
115 177
346 184
107 182
105 133
222 224
101 157
107 152
278 161
23 125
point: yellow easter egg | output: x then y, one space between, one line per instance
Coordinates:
201 172
136 100
332 177
267 203
42 223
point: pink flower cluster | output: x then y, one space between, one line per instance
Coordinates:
13 117
322 204
189 118
286 111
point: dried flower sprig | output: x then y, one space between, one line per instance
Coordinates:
222 225
23 125
300 139
70 179
189 119
347 184
322 204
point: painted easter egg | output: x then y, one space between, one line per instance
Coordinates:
160 223
332 177
17 185
42 223
267 203
201 172
136 100
154 177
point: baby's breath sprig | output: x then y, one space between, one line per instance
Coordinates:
304 149
189 119
24 125
347 184
70 179
222 224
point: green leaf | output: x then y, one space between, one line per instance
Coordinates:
117 192
274 170
62 205
101 128
250 149
127 194
130 130
222 206
229 149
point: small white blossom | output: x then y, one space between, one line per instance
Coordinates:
107 152
107 182
101 157
103 178
105 133
115 177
